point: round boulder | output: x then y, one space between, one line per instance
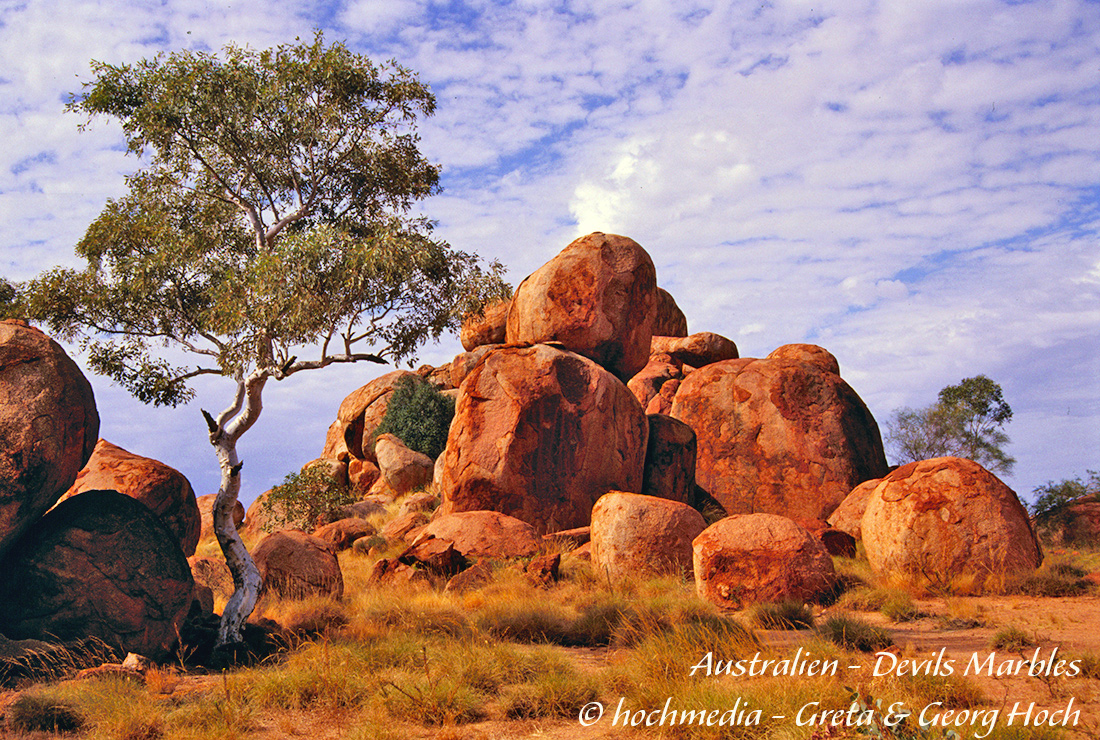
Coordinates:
810 353
703 348
749 558
848 517
484 534
296 565
99 565
597 297
48 422
778 436
206 514
946 519
636 535
539 434
404 470
163 489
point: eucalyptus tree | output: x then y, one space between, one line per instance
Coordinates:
268 231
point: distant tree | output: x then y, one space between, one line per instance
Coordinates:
1051 507
966 421
271 221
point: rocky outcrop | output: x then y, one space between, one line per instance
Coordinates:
163 489
848 517
698 350
750 558
946 519
484 534
488 327
809 353
351 435
205 505
404 470
669 459
462 364
48 424
296 565
670 320
647 384
778 436
597 297
539 434
635 535
99 565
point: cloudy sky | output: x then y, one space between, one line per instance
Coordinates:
914 185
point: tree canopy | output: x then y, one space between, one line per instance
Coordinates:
269 231
966 421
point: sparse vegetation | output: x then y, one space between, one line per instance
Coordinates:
305 497
853 633
1011 638
783 615
899 607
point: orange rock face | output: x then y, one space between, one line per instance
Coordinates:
636 535
163 489
48 422
947 518
357 418
778 436
296 565
404 470
598 297
99 565
540 434
485 534
647 383
206 515
488 328
670 321
750 558
848 517
810 353
703 348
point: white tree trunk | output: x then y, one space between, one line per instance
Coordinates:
224 433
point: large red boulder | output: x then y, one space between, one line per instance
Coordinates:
296 565
670 320
487 327
539 434
778 436
484 534
597 297
947 519
635 535
48 424
163 489
99 565
669 459
350 436
749 558
404 470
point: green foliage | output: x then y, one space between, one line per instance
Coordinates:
419 415
9 300
965 421
852 633
273 215
304 498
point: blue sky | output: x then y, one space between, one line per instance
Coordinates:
913 185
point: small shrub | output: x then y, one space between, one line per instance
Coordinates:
899 607
852 633
419 415
1055 580
304 498
559 694
1011 638
31 712
1090 665
783 615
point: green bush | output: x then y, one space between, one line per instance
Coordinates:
419 415
305 498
